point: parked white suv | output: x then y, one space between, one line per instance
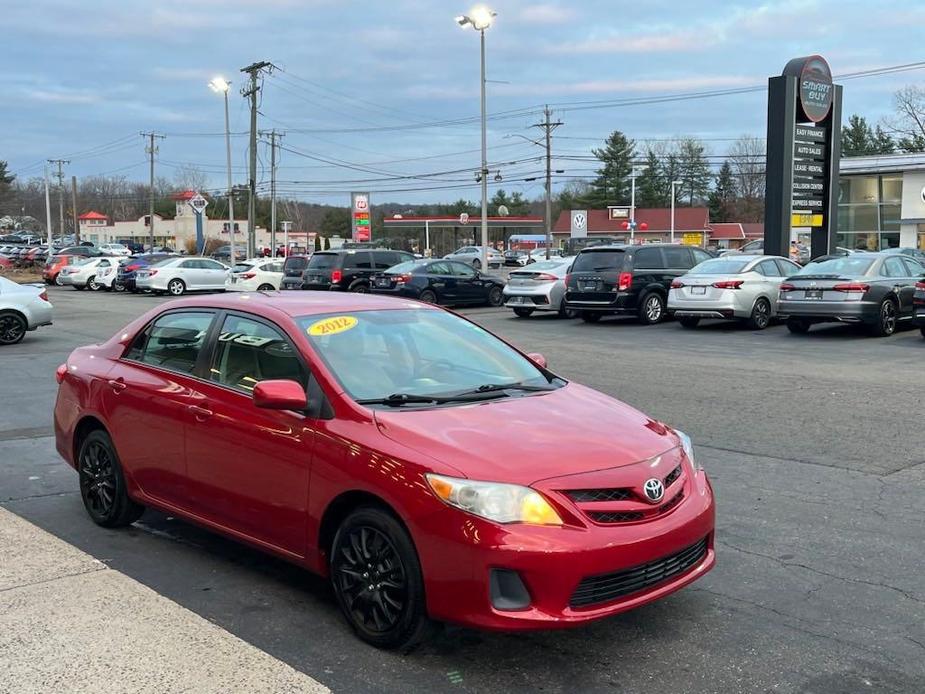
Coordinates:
473 256
256 275
177 276
88 273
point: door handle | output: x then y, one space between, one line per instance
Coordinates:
200 413
117 384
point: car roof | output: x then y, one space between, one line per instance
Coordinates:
294 304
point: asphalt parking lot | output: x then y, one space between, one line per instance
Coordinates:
813 446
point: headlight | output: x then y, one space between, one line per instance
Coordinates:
501 503
688 447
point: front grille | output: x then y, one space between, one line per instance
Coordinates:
672 476
583 495
615 516
595 590
665 508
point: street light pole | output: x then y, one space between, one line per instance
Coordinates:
633 208
222 85
673 184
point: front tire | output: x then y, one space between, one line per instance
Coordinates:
376 576
102 484
93 285
265 288
652 310
176 287
12 328
428 297
886 320
761 315
798 326
57 280
360 288
523 312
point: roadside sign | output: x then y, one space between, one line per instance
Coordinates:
690 238
805 219
464 218
198 203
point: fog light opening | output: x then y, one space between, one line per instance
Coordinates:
508 592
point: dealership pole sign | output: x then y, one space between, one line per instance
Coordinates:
804 148
359 216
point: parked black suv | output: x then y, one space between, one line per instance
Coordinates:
607 280
293 267
349 270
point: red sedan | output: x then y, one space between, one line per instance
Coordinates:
372 440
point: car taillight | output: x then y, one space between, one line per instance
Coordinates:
568 278
43 296
545 277
787 287
677 284
403 279
60 372
851 287
625 280
248 275
728 284
151 273
920 285
132 268
336 276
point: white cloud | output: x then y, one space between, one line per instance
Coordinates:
56 95
182 74
545 14
665 42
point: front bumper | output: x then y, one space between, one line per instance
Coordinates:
918 317
458 553
830 311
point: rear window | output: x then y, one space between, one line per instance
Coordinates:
409 266
848 265
720 266
296 263
599 261
242 267
324 261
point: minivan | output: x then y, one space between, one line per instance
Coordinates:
292 271
349 270
627 279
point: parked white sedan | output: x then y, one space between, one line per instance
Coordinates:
734 287
88 273
473 256
257 275
115 249
177 276
538 287
23 307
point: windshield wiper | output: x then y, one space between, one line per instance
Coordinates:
497 387
399 399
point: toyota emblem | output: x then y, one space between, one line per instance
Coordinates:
654 490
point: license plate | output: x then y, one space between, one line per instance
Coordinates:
234 279
383 282
813 293
589 286
698 290
518 300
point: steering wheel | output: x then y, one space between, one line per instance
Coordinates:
441 364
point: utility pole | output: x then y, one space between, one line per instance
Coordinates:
633 207
273 135
548 126
74 209
254 70
151 149
48 213
60 175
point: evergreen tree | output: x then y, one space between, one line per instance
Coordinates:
650 192
6 190
694 171
498 199
859 138
612 185
722 199
317 243
327 243
336 222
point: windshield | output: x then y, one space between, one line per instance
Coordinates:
847 265
598 261
296 263
323 261
415 352
720 266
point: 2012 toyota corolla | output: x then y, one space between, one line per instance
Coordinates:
373 440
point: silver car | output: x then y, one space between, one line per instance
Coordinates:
539 287
178 275
23 307
735 287
473 256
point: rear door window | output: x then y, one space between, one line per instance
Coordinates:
358 261
700 255
383 260
438 269
173 341
677 258
893 267
768 268
786 269
649 259
914 268
599 261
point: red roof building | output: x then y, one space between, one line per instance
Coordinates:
93 219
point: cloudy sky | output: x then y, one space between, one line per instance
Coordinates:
360 85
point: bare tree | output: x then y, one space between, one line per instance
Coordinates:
908 124
190 177
747 158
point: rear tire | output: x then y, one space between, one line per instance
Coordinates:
523 312
376 576
495 296
428 297
566 312
689 322
176 287
359 288
652 309
12 328
761 315
886 320
93 285
798 326
588 317
265 288
102 484
57 280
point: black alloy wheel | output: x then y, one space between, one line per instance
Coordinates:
377 579
118 286
798 326
102 485
689 321
12 328
653 309
886 319
495 296
761 315
428 297
265 288
523 312
360 288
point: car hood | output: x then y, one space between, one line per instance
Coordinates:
522 440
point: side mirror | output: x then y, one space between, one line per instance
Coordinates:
280 395
537 359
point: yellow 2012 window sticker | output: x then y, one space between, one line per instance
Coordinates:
332 325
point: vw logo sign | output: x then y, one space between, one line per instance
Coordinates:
654 490
579 220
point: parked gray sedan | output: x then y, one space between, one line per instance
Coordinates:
734 287
539 287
